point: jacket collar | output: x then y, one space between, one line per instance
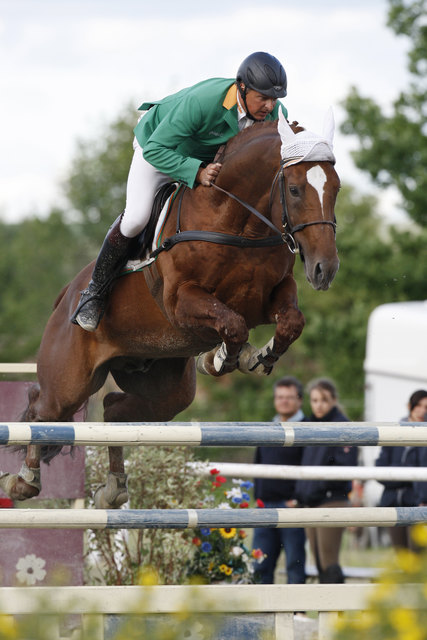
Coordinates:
230 106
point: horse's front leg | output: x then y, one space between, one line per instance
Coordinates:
26 484
289 322
198 311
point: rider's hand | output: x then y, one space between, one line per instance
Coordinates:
207 175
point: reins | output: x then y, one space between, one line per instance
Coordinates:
285 237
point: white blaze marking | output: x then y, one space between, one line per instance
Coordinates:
317 178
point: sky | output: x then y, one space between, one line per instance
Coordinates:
69 67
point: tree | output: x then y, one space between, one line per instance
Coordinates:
96 184
37 258
393 149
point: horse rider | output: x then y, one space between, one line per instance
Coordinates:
177 140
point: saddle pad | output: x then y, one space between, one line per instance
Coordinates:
135 265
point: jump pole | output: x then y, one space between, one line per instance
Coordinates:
207 434
224 518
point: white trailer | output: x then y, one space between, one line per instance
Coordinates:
395 366
396 359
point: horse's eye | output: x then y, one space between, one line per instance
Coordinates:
293 190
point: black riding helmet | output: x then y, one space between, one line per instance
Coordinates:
263 73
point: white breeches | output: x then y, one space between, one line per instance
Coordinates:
143 183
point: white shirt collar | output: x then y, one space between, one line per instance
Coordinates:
242 119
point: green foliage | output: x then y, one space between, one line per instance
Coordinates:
393 148
96 185
37 258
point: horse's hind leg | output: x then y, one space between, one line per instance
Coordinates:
114 492
155 396
25 484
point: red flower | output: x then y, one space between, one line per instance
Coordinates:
243 505
214 472
221 479
260 503
216 483
242 533
196 541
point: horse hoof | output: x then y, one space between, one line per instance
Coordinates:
16 488
249 361
201 364
204 363
113 494
216 362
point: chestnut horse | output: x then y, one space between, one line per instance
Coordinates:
201 296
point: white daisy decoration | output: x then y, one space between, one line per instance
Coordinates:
30 569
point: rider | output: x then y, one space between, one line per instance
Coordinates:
176 140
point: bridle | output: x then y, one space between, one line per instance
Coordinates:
280 237
288 229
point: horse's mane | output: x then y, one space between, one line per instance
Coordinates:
257 130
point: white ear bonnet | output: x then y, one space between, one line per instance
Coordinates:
306 146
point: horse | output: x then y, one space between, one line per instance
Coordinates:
225 267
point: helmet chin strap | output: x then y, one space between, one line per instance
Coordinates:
243 95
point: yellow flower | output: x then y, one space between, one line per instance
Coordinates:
8 626
211 565
228 571
367 620
419 535
223 568
147 577
405 623
402 619
407 561
229 532
383 591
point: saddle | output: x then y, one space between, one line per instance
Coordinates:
144 240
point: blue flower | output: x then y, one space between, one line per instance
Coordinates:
236 499
247 484
205 531
206 547
246 496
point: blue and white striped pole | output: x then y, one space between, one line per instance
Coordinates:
207 434
224 518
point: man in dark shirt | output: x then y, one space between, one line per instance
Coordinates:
288 394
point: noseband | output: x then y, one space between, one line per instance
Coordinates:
280 237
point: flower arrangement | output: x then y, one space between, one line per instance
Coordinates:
220 554
161 479
398 607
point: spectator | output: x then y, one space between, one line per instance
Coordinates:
325 542
405 494
288 394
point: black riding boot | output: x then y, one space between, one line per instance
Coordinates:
112 257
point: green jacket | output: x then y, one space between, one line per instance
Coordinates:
186 129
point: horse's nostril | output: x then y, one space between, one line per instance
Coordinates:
318 272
